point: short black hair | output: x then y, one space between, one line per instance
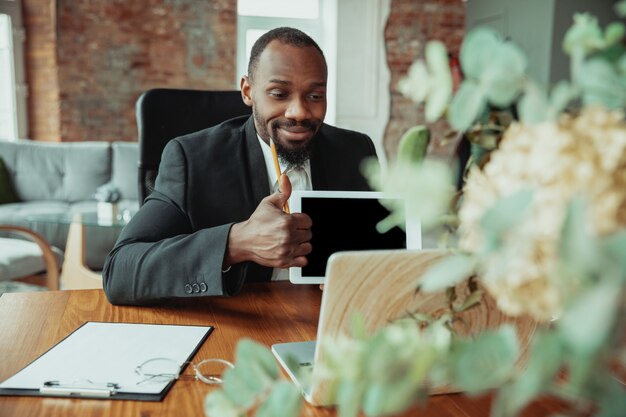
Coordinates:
286 35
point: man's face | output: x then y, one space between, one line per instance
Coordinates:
288 98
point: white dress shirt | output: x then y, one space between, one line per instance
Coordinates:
300 178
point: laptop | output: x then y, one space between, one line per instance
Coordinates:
380 285
346 221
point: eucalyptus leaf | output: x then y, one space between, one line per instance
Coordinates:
562 94
436 56
612 401
438 100
284 400
254 372
388 399
380 362
486 362
544 361
217 404
585 34
349 398
241 387
417 82
468 103
620 8
251 351
587 322
614 33
533 106
502 80
579 367
614 247
446 273
440 88
396 218
476 50
370 168
600 84
358 327
503 215
414 144
577 248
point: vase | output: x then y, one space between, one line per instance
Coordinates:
107 212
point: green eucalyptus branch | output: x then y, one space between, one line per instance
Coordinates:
573 357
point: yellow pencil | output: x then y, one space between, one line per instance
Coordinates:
278 173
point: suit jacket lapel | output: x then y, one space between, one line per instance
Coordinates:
257 186
257 172
319 167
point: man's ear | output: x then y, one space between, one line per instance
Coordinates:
246 89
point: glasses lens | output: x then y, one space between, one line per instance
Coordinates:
158 370
211 371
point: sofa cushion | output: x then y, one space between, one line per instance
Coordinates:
124 168
57 171
7 192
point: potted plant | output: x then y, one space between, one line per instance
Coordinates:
540 224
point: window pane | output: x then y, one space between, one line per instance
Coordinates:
7 110
251 36
304 9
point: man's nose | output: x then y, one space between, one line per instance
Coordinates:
298 109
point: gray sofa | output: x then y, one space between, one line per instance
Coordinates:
51 178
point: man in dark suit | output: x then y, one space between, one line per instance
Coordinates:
214 220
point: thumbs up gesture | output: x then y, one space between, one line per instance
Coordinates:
271 237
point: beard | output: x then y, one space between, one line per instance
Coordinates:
294 156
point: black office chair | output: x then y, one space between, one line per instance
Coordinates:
164 113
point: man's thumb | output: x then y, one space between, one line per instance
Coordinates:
284 186
280 197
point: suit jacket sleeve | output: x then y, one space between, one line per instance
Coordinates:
159 254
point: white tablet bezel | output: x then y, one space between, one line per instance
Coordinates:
413 227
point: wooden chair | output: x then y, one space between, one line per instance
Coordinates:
49 258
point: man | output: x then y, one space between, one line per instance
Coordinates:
216 219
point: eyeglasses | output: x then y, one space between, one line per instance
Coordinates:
159 370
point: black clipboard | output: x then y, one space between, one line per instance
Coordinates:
95 391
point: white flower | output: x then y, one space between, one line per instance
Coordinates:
583 155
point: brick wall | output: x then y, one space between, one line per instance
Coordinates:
411 24
109 51
89 60
41 69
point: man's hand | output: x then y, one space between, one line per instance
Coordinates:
271 237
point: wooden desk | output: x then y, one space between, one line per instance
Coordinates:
31 323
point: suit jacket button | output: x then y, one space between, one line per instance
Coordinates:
195 288
203 287
188 289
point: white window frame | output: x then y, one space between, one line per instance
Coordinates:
322 29
13 8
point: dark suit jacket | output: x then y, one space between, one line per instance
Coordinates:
208 180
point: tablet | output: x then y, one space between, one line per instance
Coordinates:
346 221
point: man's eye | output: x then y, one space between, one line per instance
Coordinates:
317 96
277 94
